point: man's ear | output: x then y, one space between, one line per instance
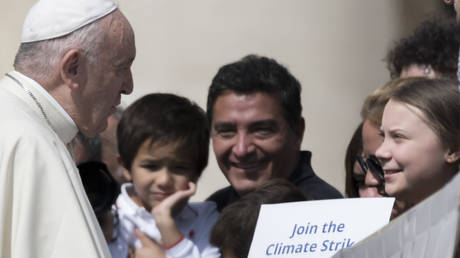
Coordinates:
125 171
72 69
452 156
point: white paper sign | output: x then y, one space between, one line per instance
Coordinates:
429 229
317 228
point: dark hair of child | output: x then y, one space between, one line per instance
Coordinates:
235 227
164 118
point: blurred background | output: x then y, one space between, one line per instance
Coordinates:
335 48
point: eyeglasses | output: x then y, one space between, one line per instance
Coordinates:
372 164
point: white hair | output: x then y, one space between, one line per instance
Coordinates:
40 58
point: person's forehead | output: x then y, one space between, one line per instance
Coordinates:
120 40
249 97
418 70
173 150
403 115
250 104
371 138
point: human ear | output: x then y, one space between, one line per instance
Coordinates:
452 157
124 170
72 69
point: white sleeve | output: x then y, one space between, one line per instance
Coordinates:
41 216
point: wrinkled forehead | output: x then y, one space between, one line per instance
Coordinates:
119 38
119 30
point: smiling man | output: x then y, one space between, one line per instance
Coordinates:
255 115
71 69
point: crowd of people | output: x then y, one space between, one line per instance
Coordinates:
80 177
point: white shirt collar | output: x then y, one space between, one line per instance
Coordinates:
48 96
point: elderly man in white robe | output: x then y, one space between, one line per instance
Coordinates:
72 66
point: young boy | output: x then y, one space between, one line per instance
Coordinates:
163 141
234 230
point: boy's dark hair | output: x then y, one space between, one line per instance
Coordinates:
164 118
100 186
258 74
235 226
92 147
432 43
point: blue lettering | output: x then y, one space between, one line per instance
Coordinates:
300 230
340 227
293 231
350 244
298 249
313 228
313 247
331 245
307 229
325 242
288 249
267 252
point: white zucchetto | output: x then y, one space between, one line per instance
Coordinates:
49 19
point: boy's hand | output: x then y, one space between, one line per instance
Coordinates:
166 207
149 247
164 211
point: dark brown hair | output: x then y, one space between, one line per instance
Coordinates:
355 148
235 227
163 119
254 74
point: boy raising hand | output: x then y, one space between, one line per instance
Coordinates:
163 141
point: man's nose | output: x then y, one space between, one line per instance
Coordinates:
243 145
127 86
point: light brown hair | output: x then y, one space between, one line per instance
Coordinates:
374 104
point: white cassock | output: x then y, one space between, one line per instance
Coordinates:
44 211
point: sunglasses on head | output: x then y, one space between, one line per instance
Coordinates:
372 164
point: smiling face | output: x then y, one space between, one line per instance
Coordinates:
412 156
159 170
252 141
108 78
